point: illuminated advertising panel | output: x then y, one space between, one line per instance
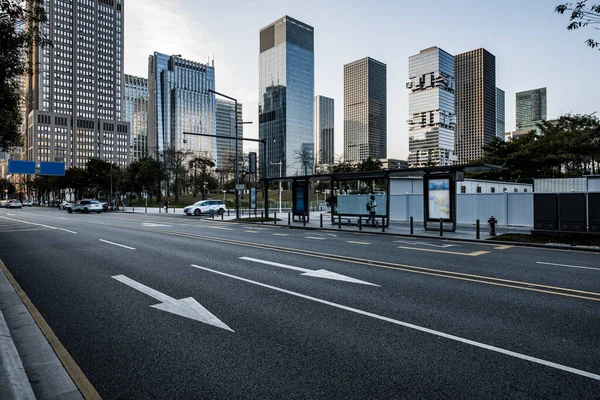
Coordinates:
439 198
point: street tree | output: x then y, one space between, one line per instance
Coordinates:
175 167
582 15
20 31
204 163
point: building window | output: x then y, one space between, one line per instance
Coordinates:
463 189
493 190
478 189
516 190
525 190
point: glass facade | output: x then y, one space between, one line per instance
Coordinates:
136 113
474 103
500 114
324 132
286 96
432 119
225 116
531 109
365 110
75 95
178 102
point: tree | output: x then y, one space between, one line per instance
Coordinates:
175 167
582 15
306 158
203 163
19 32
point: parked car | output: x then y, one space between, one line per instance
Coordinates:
28 203
3 203
205 206
65 204
85 206
104 203
14 203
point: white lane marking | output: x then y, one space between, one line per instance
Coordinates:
569 266
418 328
66 230
10 214
218 227
319 273
350 241
187 307
427 244
314 238
117 244
33 223
152 224
280 234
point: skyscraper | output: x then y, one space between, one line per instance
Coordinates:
75 95
500 114
324 132
178 102
365 110
225 116
531 109
431 108
474 103
286 96
136 113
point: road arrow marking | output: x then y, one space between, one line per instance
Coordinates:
187 307
427 244
320 273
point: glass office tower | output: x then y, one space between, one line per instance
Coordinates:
286 96
431 108
324 133
474 103
178 102
365 110
531 109
226 127
136 113
500 114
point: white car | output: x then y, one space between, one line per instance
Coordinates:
205 207
65 204
85 206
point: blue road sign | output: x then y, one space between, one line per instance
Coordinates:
21 167
52 168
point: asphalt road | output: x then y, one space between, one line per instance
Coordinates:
403 317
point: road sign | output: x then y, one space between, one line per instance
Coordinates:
21 167
240 186
52 168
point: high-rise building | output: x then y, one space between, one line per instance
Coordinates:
365 110
178 102
531 109
286 96
74 97
225 116
324 132
431 108
136 113
474 103
500 114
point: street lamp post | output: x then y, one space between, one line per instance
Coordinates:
279 163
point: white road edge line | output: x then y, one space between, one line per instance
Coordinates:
117 244
417 327
569 266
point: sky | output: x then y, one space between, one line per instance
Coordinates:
532 46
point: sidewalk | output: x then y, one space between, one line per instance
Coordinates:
29 367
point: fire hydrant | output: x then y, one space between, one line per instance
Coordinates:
492 221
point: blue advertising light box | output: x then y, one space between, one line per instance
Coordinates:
52 168
21 167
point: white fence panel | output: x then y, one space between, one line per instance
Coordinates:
480 206
357 204
520 209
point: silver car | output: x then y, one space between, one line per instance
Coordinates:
205 207
14 203
85 206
